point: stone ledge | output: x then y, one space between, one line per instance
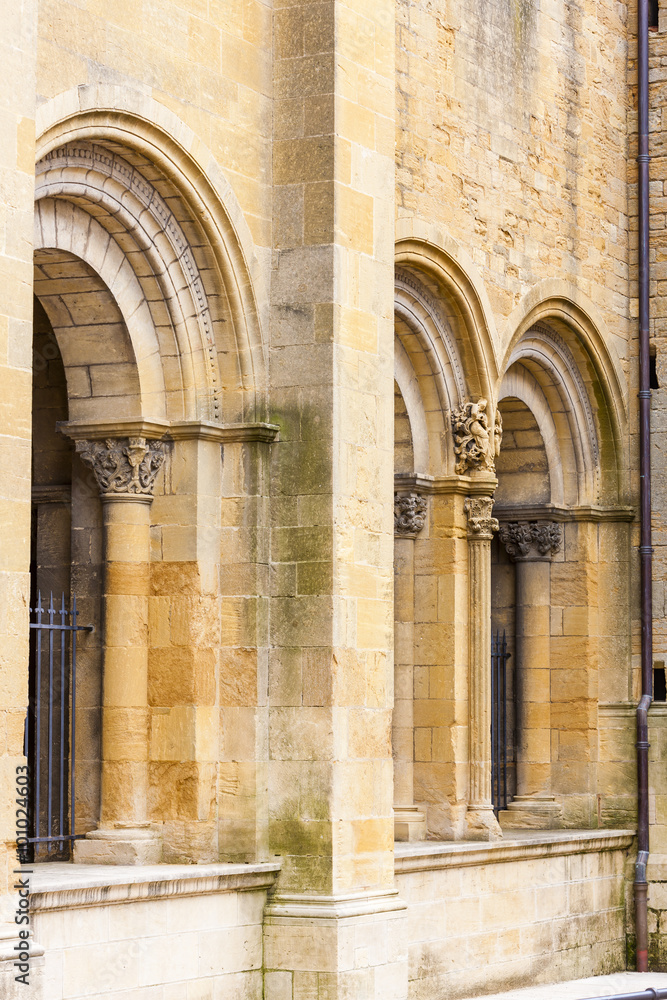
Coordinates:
334 908
63 886
520 846
177 430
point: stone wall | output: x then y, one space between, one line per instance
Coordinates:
512 134
17 116
484 919
171 929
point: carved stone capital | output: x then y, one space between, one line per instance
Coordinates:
472 442
125 468
481 525
531 540
409 514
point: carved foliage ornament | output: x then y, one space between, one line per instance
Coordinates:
525 538
123 466
472 441
409 514
481 524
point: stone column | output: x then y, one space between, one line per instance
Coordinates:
531 546
125 470
409 518
481 821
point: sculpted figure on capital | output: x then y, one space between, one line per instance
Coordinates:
472 441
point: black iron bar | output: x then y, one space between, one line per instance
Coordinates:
59 836
49 792
63 616
504 740
72 717
494 732
38 713
499 731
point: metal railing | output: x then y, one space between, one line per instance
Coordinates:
50 732
499 761
648 994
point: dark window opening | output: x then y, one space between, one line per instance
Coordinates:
653 15
653 372
659 684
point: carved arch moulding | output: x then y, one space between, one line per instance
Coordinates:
135 128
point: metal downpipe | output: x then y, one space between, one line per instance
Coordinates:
645 549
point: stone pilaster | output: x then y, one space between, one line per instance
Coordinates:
125 470
481 821
331 363
531 545
410 512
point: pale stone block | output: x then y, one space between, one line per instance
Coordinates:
236 949
278 985
204 912
169 958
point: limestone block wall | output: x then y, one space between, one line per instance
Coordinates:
497 917
502 113
177 930
617 769
17 115
209 64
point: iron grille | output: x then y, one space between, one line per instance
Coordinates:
50 724
499 762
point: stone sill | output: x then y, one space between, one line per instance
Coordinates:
517 845
625 709
63 886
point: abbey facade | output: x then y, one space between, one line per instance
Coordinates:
318 396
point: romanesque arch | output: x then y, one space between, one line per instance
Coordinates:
135 160
562 543
146 272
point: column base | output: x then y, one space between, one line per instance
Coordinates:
481 824
532 812
119 846
336 947
409 823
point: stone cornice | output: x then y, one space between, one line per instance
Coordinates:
52 493
457 854
93 886
334 907
550 512
479 484
175 430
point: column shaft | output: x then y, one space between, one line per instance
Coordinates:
480 673
402 720
125 692
125 469
533 676
481 821
531 545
